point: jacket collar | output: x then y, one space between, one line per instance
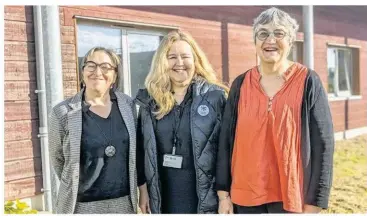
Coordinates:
76 101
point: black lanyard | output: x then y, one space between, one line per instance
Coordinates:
177 127
109 141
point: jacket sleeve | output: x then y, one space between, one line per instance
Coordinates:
140 151
56 136
322 148
223 169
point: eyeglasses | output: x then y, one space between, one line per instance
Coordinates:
277 34
92 67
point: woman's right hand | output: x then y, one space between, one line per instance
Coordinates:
225 203
225 206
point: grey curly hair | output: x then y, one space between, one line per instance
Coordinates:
277 17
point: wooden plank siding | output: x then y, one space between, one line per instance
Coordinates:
22 164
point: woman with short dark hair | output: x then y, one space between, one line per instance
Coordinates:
93 142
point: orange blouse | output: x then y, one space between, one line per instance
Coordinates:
266 163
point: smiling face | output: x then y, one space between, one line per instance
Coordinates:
180 63
275 47
99 72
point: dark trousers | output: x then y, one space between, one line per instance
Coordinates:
275 207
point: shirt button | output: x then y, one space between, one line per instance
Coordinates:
269 109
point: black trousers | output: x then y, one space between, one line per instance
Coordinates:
275 207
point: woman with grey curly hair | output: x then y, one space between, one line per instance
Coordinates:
276 143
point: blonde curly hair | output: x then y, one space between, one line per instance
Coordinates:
158 82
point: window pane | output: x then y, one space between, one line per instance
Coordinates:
300 52
141 50
344 70
291 53
296 52
331 62
90 35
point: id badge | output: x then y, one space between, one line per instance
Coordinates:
174 161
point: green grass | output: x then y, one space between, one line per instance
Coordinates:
349 190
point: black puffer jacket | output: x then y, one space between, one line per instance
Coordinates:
204 132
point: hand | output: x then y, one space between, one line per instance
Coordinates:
144 199
311 209
225 206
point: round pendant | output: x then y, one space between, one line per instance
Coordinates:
110 151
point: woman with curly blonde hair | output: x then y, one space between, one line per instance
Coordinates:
179 119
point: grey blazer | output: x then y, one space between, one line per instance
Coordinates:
65 130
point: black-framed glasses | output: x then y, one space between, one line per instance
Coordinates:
91 66
278 34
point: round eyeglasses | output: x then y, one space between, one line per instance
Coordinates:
264 34
91 66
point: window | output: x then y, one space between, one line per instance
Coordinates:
296 52
135 47
342 79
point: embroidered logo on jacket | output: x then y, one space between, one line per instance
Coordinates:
203 110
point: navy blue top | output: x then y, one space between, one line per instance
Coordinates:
103 177
178 185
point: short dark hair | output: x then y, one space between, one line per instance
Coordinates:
113 56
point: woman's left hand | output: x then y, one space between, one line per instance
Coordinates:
311 209
144 199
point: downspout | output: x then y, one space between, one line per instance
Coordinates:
52 55
308 51
42 108
53 71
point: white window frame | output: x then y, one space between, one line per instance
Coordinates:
125 54
337 92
